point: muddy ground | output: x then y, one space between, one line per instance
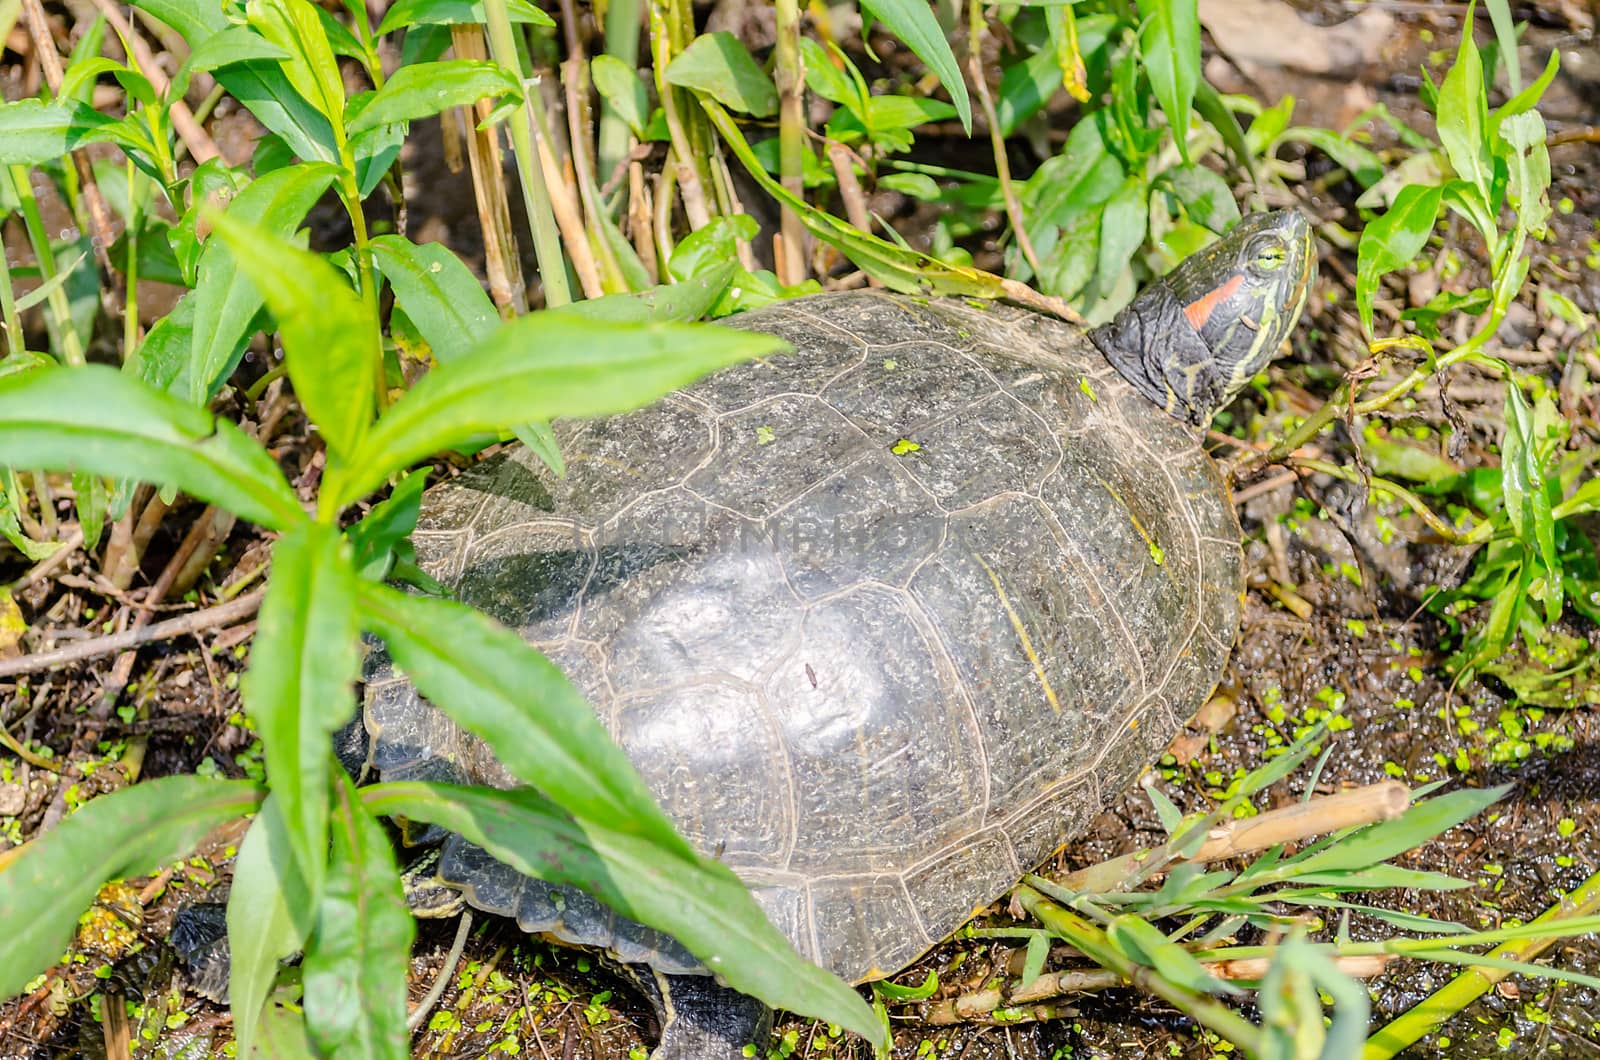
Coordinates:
1365 647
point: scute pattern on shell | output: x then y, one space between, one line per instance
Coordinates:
880 680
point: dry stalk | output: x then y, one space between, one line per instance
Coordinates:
44 46
202 148
1318 816
975 1006
639 227
502 264
1002 164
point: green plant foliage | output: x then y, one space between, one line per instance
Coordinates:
914 23
718 65
355 969
270 915
133 833
632 876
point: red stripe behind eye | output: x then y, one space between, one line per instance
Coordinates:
1199 311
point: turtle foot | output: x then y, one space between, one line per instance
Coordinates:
702 1019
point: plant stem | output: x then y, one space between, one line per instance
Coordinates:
683 157
60 312
130 317
622 42
535 195
976 31
1455 995
369 283
791 81
1095 945
1477 535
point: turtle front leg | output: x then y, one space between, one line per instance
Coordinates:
701 1019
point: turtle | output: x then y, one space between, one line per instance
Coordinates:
883 621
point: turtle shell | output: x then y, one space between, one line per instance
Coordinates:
883 621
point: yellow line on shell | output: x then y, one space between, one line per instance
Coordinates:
1022 634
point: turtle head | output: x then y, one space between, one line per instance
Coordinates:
1193 339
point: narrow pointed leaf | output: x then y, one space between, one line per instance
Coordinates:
1463 116
425 89
293 25
269 917
1170 47
494 684
225 301
454 12
914 23
32 132
1423 821
299 688
699 901
132 832
355 968
330 339
1390 242
96 419
439 294
536 368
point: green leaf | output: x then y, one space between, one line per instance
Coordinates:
683 302
1360 163
1529 97
914 23
90 491
1528 170
1122 228
540 438
33 132
355 967
1379 842
195 20
438 293
1143 942
382 532
454 13
236 44
132 832
538 367
1205 196
1523 449
898 268
1080 178
330 339
1390 241
293 25
825 77
299 689
1463 118
225 301
266 92
96 419
269 917
699 901
718 65
494 684
1505 33
1169 44
425 89
620 85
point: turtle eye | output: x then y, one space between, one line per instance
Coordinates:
1266 255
